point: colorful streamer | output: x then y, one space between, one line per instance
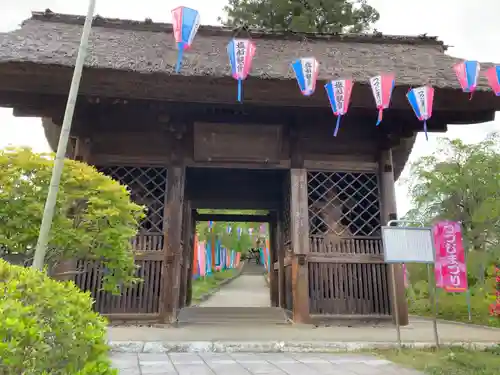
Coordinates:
382 86
241 53
467 73
202 259
421 100
339 94
306 72
493 76
185 23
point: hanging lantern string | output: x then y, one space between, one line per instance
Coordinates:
337 126
179 57
425 130
240 90
380 114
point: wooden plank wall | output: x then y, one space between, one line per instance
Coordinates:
349 278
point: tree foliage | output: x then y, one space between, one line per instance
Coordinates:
94 217
461 182
320 16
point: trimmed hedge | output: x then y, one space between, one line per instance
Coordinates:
48 327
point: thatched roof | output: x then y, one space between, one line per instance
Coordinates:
146 47
52 40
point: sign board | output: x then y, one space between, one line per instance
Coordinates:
408 245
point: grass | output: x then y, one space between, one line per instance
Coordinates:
205 285
447 361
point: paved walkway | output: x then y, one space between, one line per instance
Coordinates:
253 364
420 330
244 291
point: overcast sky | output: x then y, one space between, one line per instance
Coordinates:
472 29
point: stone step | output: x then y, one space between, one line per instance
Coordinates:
232 315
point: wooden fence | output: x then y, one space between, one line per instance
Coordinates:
348 277
139 301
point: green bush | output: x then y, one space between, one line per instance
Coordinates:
453 306
94 217
48 327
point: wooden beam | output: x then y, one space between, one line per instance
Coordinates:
52 79
117 114
300 244
234 204
247 218
345 258
389 212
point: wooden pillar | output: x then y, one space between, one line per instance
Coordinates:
281 260
299 217
273 274
172 228
186 253
189 292
389 212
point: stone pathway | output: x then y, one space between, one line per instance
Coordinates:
420 330
244 291
253 364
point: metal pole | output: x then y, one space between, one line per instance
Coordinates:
395 305
467 293
48 212
433 301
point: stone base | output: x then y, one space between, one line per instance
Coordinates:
271 346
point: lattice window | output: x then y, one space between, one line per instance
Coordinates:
147 187
343 204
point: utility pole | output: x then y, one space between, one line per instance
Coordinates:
50 203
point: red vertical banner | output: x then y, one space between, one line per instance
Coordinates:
450 267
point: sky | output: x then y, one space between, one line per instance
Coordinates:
473 32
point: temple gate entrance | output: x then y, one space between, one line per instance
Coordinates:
193 146
344 271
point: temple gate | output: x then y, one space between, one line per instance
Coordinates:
181 143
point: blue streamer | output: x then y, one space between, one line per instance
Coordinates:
337 126
239 90
179 58
425 130
379 118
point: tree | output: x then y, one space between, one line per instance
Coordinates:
319 16
461 182
230 238
94 217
